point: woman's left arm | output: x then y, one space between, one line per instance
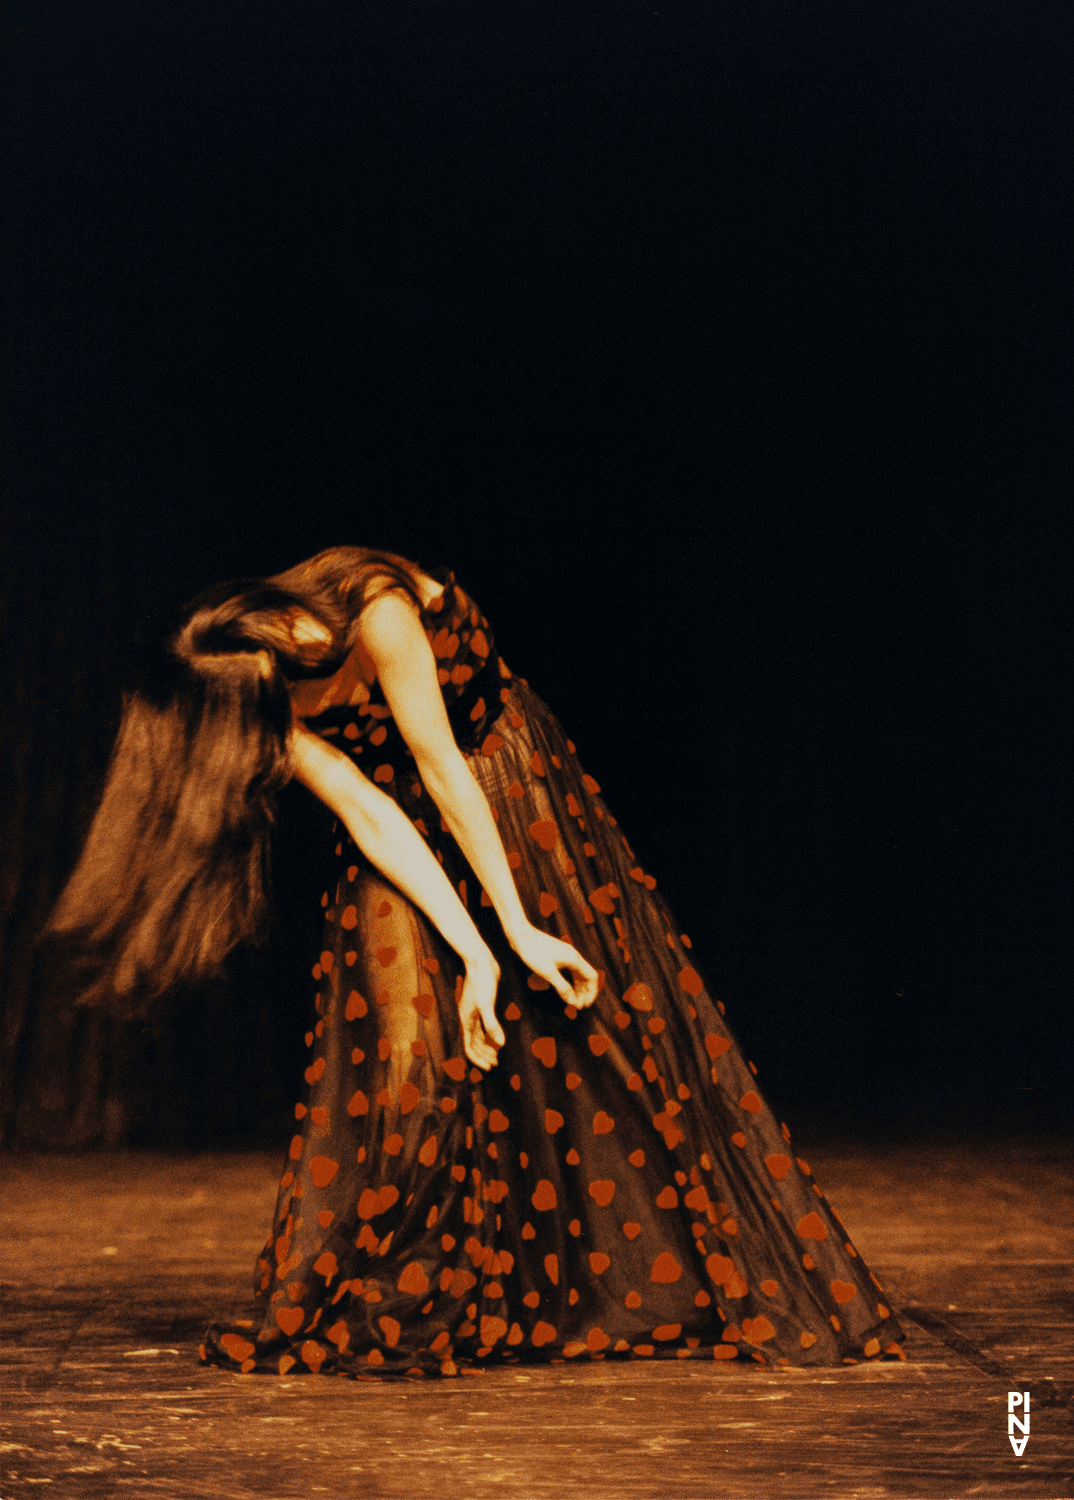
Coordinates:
392 634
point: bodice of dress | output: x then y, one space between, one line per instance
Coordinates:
474 681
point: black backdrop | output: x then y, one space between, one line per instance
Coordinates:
718 348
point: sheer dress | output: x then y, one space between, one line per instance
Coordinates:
615 1187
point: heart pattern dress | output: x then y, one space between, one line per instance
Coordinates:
616 1187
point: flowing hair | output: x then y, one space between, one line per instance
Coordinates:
175 871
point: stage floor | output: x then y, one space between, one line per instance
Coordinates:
114 1263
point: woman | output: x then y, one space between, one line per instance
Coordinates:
603 1180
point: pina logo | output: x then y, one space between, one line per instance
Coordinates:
1014 1400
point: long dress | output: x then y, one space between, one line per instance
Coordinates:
615 1186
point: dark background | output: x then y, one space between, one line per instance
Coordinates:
718 347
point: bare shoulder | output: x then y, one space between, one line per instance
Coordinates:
390 625
428 588
390 632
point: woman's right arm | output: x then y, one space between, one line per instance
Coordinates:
390 841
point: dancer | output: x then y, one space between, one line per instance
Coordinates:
526 1131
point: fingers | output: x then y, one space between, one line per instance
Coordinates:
579 994
581 989
494 1032
482 1057
478 1048
586 979
586 986
481 1035
562 988
574 961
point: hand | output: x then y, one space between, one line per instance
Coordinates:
482 1034
547 955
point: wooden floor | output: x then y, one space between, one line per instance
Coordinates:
114 1263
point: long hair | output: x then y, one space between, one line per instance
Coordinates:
175 871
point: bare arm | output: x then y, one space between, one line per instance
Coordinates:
392 634
390 841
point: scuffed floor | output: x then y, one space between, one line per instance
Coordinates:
113 1264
